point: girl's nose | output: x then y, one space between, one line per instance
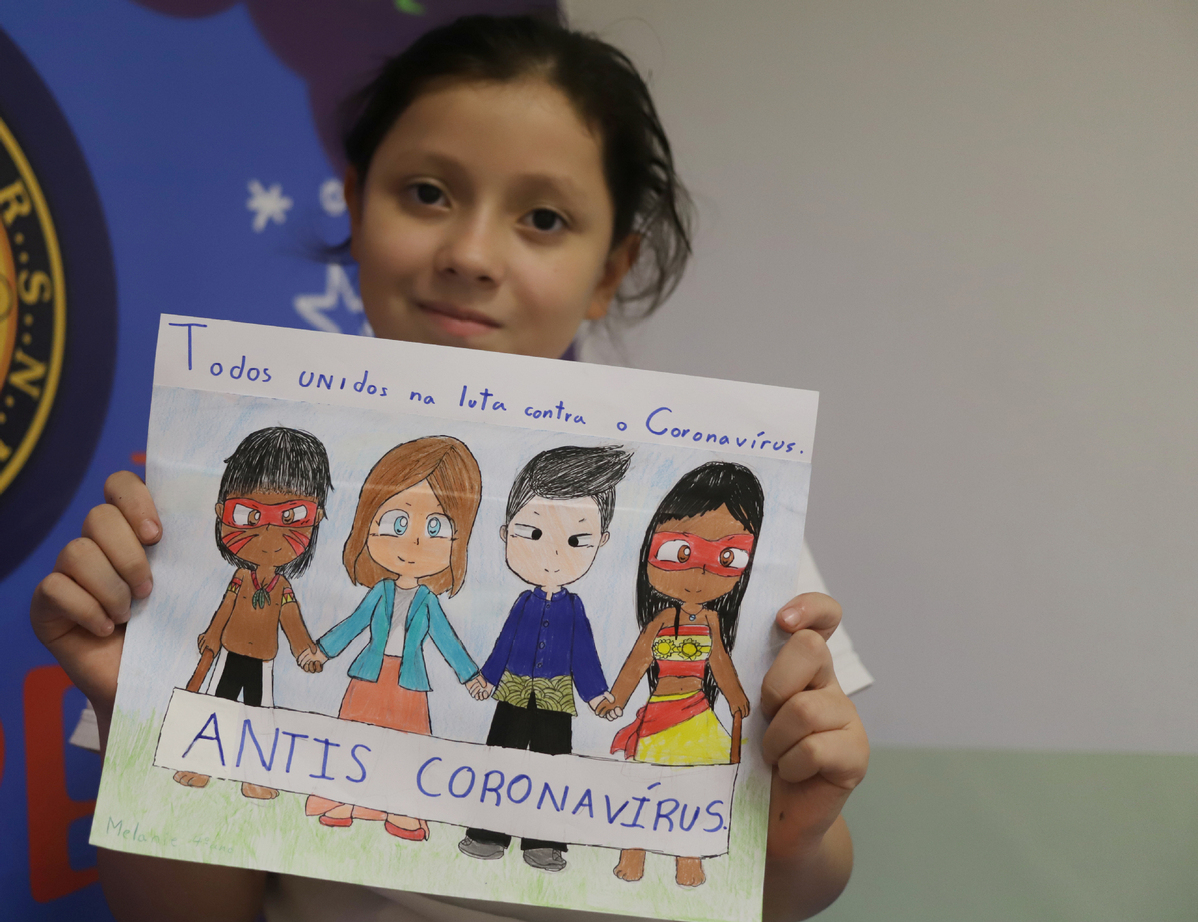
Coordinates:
472 251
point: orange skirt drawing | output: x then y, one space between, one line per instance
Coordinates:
385 704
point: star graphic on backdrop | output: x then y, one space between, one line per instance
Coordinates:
267 204
338 289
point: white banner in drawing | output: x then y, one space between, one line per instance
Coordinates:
675 810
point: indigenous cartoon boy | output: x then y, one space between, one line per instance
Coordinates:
269 511
558 513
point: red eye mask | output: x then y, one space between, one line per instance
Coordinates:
244 513
679 550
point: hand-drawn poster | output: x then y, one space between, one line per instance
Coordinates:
469 624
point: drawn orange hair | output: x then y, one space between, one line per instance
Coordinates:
456 481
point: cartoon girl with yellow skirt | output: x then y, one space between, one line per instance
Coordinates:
694 569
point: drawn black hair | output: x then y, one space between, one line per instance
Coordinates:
706 488
277 460
572 472
609 96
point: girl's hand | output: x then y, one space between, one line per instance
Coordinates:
815 740
79 611
739 705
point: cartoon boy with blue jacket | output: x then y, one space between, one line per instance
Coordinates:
557 517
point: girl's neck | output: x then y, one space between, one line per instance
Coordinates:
407 582
264 572
692 608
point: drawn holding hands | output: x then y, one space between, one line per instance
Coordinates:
605 706
480 689
311 659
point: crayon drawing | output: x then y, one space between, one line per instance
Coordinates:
509 635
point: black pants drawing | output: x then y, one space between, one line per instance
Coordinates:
514 727
242 675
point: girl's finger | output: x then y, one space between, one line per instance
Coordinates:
126 491
816 711
60 605
804 662
112 533
84 562
811 611
839 756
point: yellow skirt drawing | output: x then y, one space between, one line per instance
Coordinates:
698 740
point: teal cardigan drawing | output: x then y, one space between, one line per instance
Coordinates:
425 619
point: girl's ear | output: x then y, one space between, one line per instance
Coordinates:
621 258
353 203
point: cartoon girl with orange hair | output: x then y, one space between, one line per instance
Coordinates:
408 544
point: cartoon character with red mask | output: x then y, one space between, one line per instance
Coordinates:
694 568
269 511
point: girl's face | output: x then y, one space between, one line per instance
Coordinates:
485 221
410 534
697 573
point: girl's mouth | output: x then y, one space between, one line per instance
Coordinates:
459 322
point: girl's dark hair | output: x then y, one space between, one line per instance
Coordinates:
706 488
277 460
609 95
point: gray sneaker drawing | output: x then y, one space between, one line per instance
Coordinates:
546 859
485 850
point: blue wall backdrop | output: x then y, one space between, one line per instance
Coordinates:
188 158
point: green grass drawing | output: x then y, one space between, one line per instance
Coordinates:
141 809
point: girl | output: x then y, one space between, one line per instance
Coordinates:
694 568
508 179
408 544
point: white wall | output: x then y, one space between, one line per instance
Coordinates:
974 228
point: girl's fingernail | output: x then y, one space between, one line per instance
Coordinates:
143 590
149 531
107 628
791 617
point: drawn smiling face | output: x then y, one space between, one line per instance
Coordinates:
411 535
553 542
266 528
679 568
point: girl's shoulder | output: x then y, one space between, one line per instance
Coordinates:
664 618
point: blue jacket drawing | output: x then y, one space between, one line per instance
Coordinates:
425 619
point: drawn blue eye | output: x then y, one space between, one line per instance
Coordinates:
393 522
438 526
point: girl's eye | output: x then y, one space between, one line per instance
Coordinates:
583 540
245 516
734 558
295 514
530 532
676 551
438 526
546 220
427 194
393 522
